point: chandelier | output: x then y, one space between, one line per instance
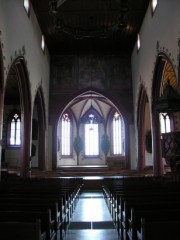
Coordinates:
88 24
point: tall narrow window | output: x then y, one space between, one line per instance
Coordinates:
43 43
65 135
117 134
91 121
153 5
27 6
138 42
15 130
165 123
91 137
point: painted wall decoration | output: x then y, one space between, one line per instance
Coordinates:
75 72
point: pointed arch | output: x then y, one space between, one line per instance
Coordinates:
83 99
141 119
160 79
20 73
65 126
117 133
39 128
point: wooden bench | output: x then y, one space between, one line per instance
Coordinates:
35 207
121 194
126 200
47 224
149 215
148 204
21 231
61 213
139 198
47 187
157 230
60 195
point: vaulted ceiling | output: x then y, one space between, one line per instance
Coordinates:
86 25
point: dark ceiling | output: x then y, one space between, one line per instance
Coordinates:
86 25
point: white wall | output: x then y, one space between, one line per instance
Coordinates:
162 27
19 32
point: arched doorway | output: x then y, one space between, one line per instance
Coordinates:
144 131
38 132
87 106
17 126
164 74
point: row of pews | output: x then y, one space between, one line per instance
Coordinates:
38 208
144 208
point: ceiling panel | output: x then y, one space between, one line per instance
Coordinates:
90 25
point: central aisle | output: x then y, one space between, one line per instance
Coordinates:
91 219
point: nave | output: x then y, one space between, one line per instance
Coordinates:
91 219
126 208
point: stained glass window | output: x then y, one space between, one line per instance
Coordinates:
15 130
165 123
65 134
117 136
91 137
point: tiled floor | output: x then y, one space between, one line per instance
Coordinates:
91 219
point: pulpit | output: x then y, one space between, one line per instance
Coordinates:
169 102
171 151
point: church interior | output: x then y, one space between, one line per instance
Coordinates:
90 119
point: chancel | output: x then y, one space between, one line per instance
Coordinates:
89 119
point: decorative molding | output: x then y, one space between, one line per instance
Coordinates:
19 52
157 46
178 54
2 47
164 50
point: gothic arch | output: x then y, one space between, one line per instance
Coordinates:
159 79
84 95
141 119
18 70
39 128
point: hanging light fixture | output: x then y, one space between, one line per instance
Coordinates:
53 7
91 120
91 116
94 25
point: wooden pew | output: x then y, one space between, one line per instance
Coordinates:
60 213
43 191
21 231
150 215
157 230
135 190
138 198
146 204
47 186
35 206
47 224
